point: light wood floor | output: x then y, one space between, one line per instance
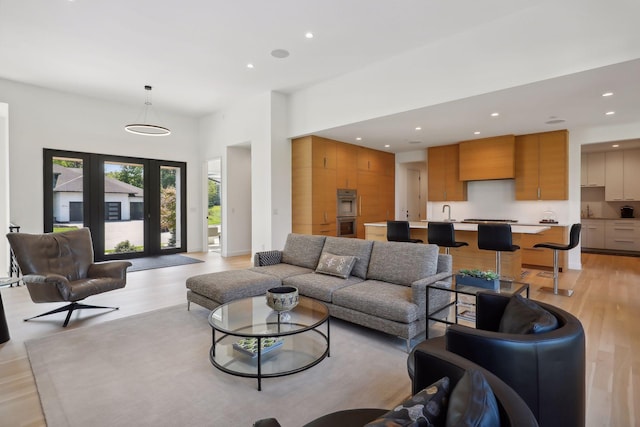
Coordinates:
606 300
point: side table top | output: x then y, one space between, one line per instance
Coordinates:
7 281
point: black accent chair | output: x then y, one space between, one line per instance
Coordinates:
547 369
498 238
431 365
443 235
574 239
398 231
60 267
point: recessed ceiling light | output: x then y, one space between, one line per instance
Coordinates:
554 121
358 139
607 94
249 65
387 146
610 113
418 128
495 114
279 53
309 35
477 132
616 145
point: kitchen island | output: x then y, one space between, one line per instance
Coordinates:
468 256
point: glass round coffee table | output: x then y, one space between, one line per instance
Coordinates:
291 341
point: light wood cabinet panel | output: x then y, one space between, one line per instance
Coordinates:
346 171
631 175
540 256
592 234
323 153
443 174
592 170
614 176
541 166
488 158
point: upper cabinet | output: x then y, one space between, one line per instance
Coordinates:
622 174
443 172
488 158
346 172
541 161
592 170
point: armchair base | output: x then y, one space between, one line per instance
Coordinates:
70 307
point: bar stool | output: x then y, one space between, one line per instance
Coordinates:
496 237
443 234
574 238
398 231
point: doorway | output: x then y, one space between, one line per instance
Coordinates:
134 207
414 195
214 207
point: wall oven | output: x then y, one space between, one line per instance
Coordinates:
347 227
347 213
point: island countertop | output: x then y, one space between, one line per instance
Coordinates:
460 226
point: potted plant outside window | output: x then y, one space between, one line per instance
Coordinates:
478 278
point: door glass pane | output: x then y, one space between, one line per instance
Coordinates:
123 207
68 194
170 202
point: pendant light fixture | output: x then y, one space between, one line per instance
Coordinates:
143 127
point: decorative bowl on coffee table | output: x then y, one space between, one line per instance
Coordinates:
282 298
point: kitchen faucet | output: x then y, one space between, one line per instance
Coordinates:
449 214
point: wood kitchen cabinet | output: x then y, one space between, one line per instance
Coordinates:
592 170
487 158
622 235
542 257
622 175
443 172
541 162
592 234
320 166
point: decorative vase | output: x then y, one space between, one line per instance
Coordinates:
492 284
282 298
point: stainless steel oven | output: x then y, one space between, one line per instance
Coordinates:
347 226
347 203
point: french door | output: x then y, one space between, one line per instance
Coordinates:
134 207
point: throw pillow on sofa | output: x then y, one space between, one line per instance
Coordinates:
425 409
472 403
336 265
523 316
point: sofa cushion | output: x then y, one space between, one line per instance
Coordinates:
380 299
472 402
359 248
425 408
302 250
281 271
335 265
319 286
226 286
402 263
523 316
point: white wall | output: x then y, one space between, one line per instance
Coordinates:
261 123
42 118
4 186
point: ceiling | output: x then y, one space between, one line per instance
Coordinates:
195 55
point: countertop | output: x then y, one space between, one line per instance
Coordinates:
523 229
611 219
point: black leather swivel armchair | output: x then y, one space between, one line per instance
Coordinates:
60 267
547 369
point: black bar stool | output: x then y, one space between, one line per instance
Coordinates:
443 234
574 238
496 237
398 231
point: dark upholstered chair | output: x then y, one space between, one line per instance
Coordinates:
498 238
546 369
443 235
431 365
398 231
59 267
574 239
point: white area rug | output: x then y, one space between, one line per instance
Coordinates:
153 369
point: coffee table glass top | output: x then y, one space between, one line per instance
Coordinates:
252 317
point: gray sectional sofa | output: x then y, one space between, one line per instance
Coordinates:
384 287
